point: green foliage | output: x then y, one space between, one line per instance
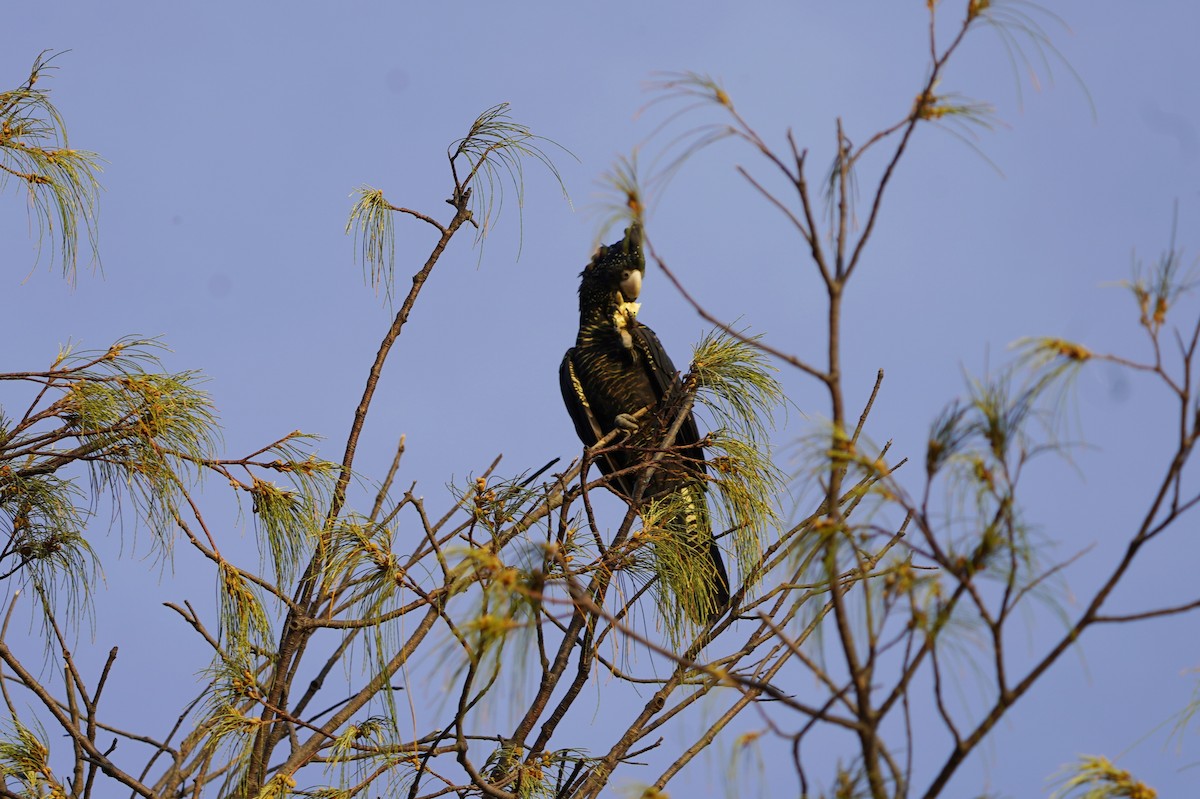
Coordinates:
374 237
1022 27
622 204
369 581
528 779
147 430
25 759
687 92
367 754
495 150
1097 778
674 526
278 787
60 181
139 431
490 157
502 607
245 626
518 578
229 721
733 380
288 521
47 517
736 383
981 447
1156 288
364 570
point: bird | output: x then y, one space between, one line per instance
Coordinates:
617 367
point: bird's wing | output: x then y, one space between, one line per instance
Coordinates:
588 427
576 401
666 381
655 360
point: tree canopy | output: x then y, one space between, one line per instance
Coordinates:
519 634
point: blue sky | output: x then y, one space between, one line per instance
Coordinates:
235 133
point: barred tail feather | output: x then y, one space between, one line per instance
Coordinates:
689 563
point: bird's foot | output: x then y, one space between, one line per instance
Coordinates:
625 421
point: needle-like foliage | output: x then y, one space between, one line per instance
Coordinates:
493 156
61 181
138 431
374 238
1097 778
533 636
24 760
486 161
736 383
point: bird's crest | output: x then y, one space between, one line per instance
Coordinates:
626 253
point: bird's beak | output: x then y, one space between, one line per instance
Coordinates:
631 286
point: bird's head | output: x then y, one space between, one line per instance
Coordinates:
617 268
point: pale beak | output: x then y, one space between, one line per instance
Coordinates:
631 286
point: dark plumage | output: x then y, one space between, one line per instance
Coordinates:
617 367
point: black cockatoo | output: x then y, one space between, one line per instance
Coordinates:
616 368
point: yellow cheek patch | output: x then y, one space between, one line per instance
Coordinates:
624 318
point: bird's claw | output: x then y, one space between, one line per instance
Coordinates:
625 421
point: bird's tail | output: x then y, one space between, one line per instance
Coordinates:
688 560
